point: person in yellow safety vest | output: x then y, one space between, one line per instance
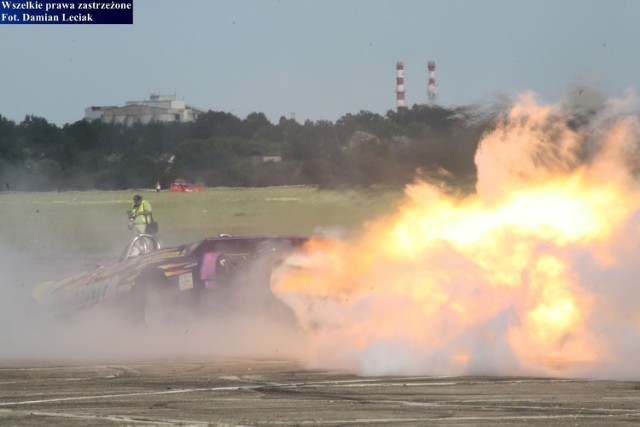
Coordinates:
139 215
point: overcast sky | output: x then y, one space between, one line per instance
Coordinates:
319 59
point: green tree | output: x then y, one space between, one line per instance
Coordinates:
46 175
11 149
216 124
44 140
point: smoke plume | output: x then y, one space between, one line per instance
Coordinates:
535 274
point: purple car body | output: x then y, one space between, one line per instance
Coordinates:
205 270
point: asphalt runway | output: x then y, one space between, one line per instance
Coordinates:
224 392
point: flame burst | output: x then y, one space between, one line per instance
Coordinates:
536 273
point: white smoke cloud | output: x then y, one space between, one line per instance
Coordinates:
102 334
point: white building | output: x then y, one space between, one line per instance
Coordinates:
159 108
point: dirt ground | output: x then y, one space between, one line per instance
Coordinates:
275 392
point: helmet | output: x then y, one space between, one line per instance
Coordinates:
137 197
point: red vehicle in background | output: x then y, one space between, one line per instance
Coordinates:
180 186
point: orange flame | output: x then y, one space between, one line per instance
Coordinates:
493 282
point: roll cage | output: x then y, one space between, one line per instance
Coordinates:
140 244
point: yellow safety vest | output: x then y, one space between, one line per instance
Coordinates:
144 206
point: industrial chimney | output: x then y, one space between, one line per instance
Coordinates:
432 92
400 84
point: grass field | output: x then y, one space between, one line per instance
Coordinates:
94 223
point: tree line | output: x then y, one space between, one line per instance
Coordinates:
220 149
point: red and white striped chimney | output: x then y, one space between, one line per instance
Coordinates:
432 91
400 84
